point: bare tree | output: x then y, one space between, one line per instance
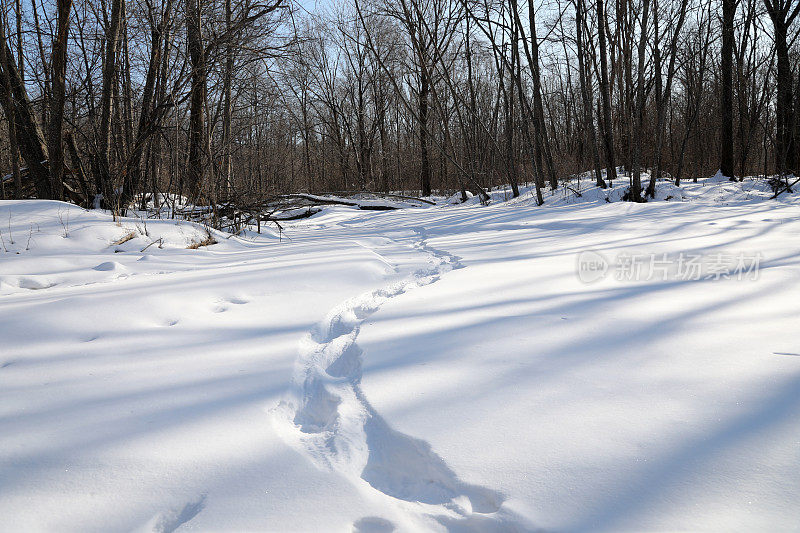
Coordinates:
726 148
103 163
638 133
580 24
782 13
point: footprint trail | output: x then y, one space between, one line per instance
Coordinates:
341 431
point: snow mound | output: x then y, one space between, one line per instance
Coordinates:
109 266
668 192
457 198
719 177
48 244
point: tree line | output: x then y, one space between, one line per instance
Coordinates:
111 102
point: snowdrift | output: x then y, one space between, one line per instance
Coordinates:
438 369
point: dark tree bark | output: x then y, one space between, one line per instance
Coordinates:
726 148
30 138
197 98
636 183
425 166
20 57
77 169
103 163
58 68
227 114
605 93
5 59
510 97
782 13
538 107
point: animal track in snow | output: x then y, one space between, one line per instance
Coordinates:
169 521
340 430
373 524
222 303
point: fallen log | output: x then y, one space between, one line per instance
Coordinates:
306 214
377 207
321 200
382 194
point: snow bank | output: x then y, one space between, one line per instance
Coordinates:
418 370
47 244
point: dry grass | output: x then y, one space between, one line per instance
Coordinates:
208 241
124 239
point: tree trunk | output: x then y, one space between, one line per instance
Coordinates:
197 98
587 100
510 114
150 115
103 166
636 183
227 113
541 128
726 148
784 146
5 59
663 95
30 138
58 68
77 169
425 167
605 94
20 56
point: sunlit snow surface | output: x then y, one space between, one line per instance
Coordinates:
426 369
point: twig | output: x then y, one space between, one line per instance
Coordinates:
65 225
160 241
787 188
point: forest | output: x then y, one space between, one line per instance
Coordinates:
232 102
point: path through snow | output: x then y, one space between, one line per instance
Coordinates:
328 414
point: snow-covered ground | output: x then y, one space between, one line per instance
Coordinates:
580 366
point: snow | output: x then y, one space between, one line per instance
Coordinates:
427 369
458 198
